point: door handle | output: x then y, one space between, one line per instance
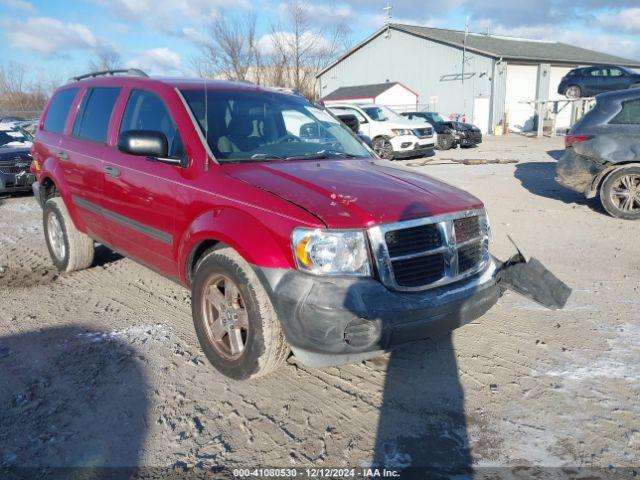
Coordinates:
111 171
63 155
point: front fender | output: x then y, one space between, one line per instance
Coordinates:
262 242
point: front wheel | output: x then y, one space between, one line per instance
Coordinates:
235 322
620 193
444 142
382 146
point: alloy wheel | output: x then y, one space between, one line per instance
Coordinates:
56 236
625 193
226 317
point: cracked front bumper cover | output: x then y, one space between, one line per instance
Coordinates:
336 320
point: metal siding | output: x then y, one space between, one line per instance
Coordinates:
419 64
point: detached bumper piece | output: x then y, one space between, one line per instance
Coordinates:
532 280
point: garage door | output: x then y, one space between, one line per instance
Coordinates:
564 115
521 86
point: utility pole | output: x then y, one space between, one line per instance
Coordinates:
387 11
464 46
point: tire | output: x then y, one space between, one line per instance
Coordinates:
444 142
382 146
69 248
243 313
620 193
573 92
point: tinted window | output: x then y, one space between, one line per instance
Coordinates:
147 111
59 109
629 115
92 122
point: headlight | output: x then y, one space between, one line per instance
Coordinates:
331 252
401 131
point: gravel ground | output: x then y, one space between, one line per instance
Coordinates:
102 367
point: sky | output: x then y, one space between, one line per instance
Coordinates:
58 39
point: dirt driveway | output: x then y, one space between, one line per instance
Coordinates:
101 367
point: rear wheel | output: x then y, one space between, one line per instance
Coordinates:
620 193
234 319
573 92
69 248
382 146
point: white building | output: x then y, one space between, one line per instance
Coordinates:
475 76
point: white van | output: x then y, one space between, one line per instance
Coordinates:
392 135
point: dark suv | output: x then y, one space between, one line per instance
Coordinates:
289 231
589 81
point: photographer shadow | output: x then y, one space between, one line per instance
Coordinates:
73 401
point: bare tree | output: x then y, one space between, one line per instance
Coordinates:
304 46
19 94
230 49
106 60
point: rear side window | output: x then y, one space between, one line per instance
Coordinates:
92 122
59 109
629 115
146 111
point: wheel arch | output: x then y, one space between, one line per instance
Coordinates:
597 182
255 242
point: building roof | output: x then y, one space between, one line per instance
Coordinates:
360 91
508 48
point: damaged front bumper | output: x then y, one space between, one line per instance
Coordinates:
335 320
578 173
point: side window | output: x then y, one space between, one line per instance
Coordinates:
92 122
358 115
629 115
146 111
59 109
615 72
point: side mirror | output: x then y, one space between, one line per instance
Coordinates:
366 139
147 143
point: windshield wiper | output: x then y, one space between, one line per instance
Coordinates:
323 154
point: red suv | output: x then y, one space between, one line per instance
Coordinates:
291 234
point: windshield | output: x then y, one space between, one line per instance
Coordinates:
13 137
438 118
380 113
248 125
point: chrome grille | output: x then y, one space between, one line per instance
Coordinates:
430 252
12 169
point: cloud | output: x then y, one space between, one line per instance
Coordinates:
314 42
20 6
607 43
166 14
627 20
157 60
49 36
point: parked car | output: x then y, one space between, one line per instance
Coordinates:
392 136
11 119
589 81
285 243
465 134
15 160
446 136
602 154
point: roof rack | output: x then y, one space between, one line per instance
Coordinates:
135 72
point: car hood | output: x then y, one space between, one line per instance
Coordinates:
354 193
14 153
411 124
